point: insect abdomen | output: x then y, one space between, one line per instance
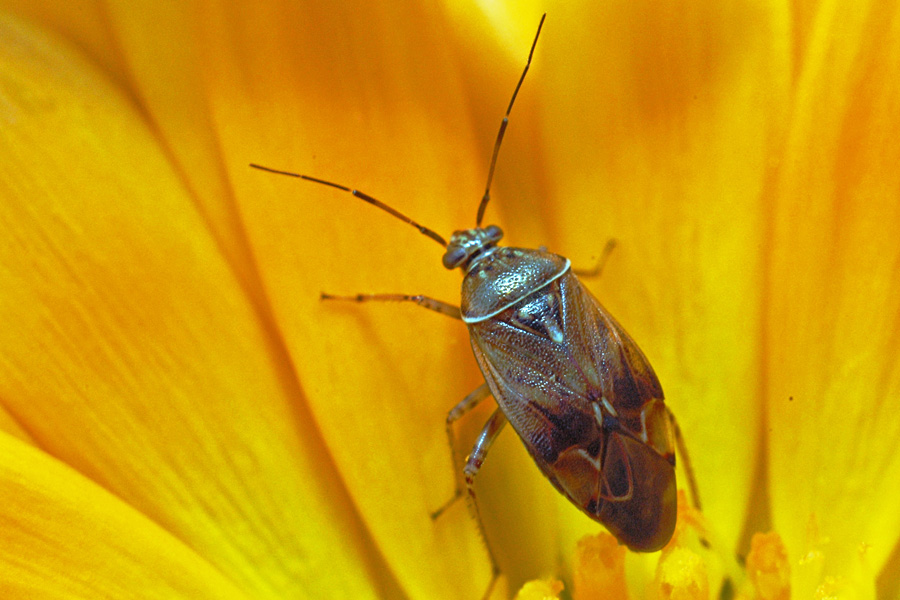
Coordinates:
585 402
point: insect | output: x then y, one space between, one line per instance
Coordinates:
574 386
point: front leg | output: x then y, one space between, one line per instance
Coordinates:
597 269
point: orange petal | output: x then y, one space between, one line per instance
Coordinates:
365 96
658 124
832 330
66 537
131 353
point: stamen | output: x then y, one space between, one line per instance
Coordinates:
681 575
599 569
768 567
689 523
540 590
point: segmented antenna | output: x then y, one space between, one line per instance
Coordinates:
487 188
365 198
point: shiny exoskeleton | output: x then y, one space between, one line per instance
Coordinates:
572 383
575 387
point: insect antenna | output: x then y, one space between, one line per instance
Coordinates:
487 188
365 198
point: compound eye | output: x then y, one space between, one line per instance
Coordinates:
493 233
454 257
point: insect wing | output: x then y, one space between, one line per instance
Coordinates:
587 405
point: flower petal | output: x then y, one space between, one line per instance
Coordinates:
167 74
658 132
131 353
833 332
83 22
367 96
66 537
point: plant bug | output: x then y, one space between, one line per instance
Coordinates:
574 386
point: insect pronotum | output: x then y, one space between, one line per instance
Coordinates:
574 386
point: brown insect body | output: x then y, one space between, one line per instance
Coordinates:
573 385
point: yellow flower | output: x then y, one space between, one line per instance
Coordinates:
184 418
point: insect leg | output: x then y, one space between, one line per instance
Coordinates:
597 269
424 301
688 468
473 464
467 404
487 436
